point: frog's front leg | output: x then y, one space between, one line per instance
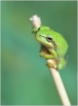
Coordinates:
51 55
47 54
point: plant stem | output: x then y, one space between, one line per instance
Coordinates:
36 23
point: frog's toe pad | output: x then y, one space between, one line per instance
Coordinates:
52 65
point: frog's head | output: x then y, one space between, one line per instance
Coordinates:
44 36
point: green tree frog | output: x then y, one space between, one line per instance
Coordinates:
53 46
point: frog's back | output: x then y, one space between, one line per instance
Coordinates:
61 43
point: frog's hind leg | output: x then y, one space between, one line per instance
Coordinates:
61 64
57 64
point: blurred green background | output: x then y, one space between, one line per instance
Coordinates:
25 79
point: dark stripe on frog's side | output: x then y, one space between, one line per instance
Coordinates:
55 46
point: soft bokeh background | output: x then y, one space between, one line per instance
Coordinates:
25 77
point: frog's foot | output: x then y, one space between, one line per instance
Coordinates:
52 64
61 64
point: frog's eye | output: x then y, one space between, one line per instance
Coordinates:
38 28
49 39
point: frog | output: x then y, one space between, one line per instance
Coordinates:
53 46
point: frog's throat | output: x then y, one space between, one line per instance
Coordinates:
45 49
